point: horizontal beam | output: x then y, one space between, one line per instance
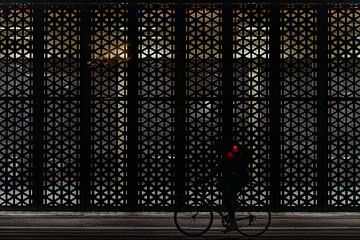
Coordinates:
97 2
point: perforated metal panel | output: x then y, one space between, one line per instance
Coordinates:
118 105
108 106
203 90
251 95
62 112
16 88
343 92
156 106
298 72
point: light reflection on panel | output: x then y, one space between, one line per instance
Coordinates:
108 66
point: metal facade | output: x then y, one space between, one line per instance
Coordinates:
116 106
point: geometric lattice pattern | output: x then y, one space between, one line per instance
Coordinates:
251 120
203 50
203 87
156 50
344 39
203 128
108 146
343 120
15 153
62 153
298 154
251 94
62 52
298 114
16 46
251 51
112 93
156 153
298 51
344 151
108 106
16 126
156 148
109 50
62 120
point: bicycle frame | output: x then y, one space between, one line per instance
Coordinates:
200 199
213 207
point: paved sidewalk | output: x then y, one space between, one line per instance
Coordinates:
66 225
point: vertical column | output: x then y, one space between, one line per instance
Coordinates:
180 77
38 104
227 71
322 105
132 106
274 75
85 117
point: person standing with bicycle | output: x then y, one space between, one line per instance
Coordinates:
234 176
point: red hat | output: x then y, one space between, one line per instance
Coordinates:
234 149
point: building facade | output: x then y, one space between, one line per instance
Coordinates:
116 106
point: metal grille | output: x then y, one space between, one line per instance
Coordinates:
108 106
203 84
251 95
156 107
62 113
117 106
298 82
16 88
343 104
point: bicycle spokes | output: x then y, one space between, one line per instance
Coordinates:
253 224
193 223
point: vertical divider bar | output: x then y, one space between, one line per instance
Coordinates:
132 106
322 105
227 71
38 117
85 107
275 106
180 76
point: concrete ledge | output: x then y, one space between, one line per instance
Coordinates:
156 214
151 225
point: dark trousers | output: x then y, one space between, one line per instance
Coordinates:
230 187
229 199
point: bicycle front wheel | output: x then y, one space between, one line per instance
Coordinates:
253 224
194 223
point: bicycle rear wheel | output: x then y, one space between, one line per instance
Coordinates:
253 224
194 223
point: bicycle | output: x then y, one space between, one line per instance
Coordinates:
196 222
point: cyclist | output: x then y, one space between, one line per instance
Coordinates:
233 166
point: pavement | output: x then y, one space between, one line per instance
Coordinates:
160 225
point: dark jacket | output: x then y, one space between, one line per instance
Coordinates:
234 167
